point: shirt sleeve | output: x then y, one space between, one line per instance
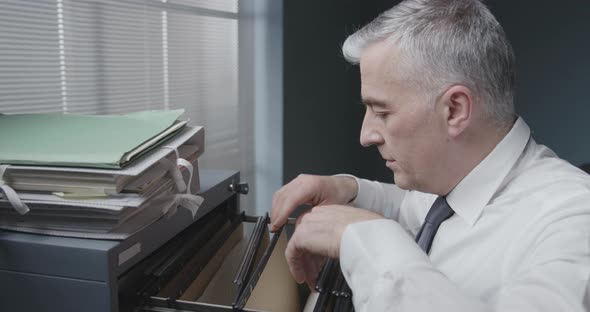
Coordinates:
382 198
554 275
387 271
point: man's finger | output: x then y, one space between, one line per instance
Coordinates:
293 256
278 205
285 201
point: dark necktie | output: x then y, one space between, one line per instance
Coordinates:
439 212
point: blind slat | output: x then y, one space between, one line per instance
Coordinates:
110 56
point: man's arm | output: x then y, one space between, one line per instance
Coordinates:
312 190
393 274
318 232
382 198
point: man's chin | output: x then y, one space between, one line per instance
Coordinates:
399 179
402 183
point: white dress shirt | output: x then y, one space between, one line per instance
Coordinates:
519 239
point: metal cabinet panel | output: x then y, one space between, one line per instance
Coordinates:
41 293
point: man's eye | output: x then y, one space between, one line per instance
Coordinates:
381 115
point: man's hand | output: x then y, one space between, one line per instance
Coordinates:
317 236
311 190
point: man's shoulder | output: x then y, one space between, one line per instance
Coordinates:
541 167
546 181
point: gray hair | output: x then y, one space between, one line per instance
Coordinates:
446 42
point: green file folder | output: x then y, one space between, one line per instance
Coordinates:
95 141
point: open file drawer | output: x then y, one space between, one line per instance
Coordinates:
237 268
228 263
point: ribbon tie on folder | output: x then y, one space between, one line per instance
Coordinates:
11 194
188 200
174 170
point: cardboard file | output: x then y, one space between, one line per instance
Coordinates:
276 290
110 141
268 287
191 272
198 287
257 243
222 290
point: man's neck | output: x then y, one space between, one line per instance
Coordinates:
470 151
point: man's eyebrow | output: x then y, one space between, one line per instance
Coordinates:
373 102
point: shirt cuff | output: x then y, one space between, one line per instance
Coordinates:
373 250
358 187
365 193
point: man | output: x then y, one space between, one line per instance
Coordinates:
438 82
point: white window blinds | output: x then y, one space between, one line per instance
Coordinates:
113 56
29 57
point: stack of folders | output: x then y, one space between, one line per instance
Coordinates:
96 176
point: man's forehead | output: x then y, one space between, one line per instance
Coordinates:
381 61
384 71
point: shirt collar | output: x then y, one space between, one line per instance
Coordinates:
474 192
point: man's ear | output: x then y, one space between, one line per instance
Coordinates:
457 103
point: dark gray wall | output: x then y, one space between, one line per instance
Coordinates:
552 44
322 111
322 117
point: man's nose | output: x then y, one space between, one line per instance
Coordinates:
369 132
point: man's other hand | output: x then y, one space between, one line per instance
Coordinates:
317 236
312 190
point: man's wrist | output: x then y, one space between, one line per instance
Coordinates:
349 186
